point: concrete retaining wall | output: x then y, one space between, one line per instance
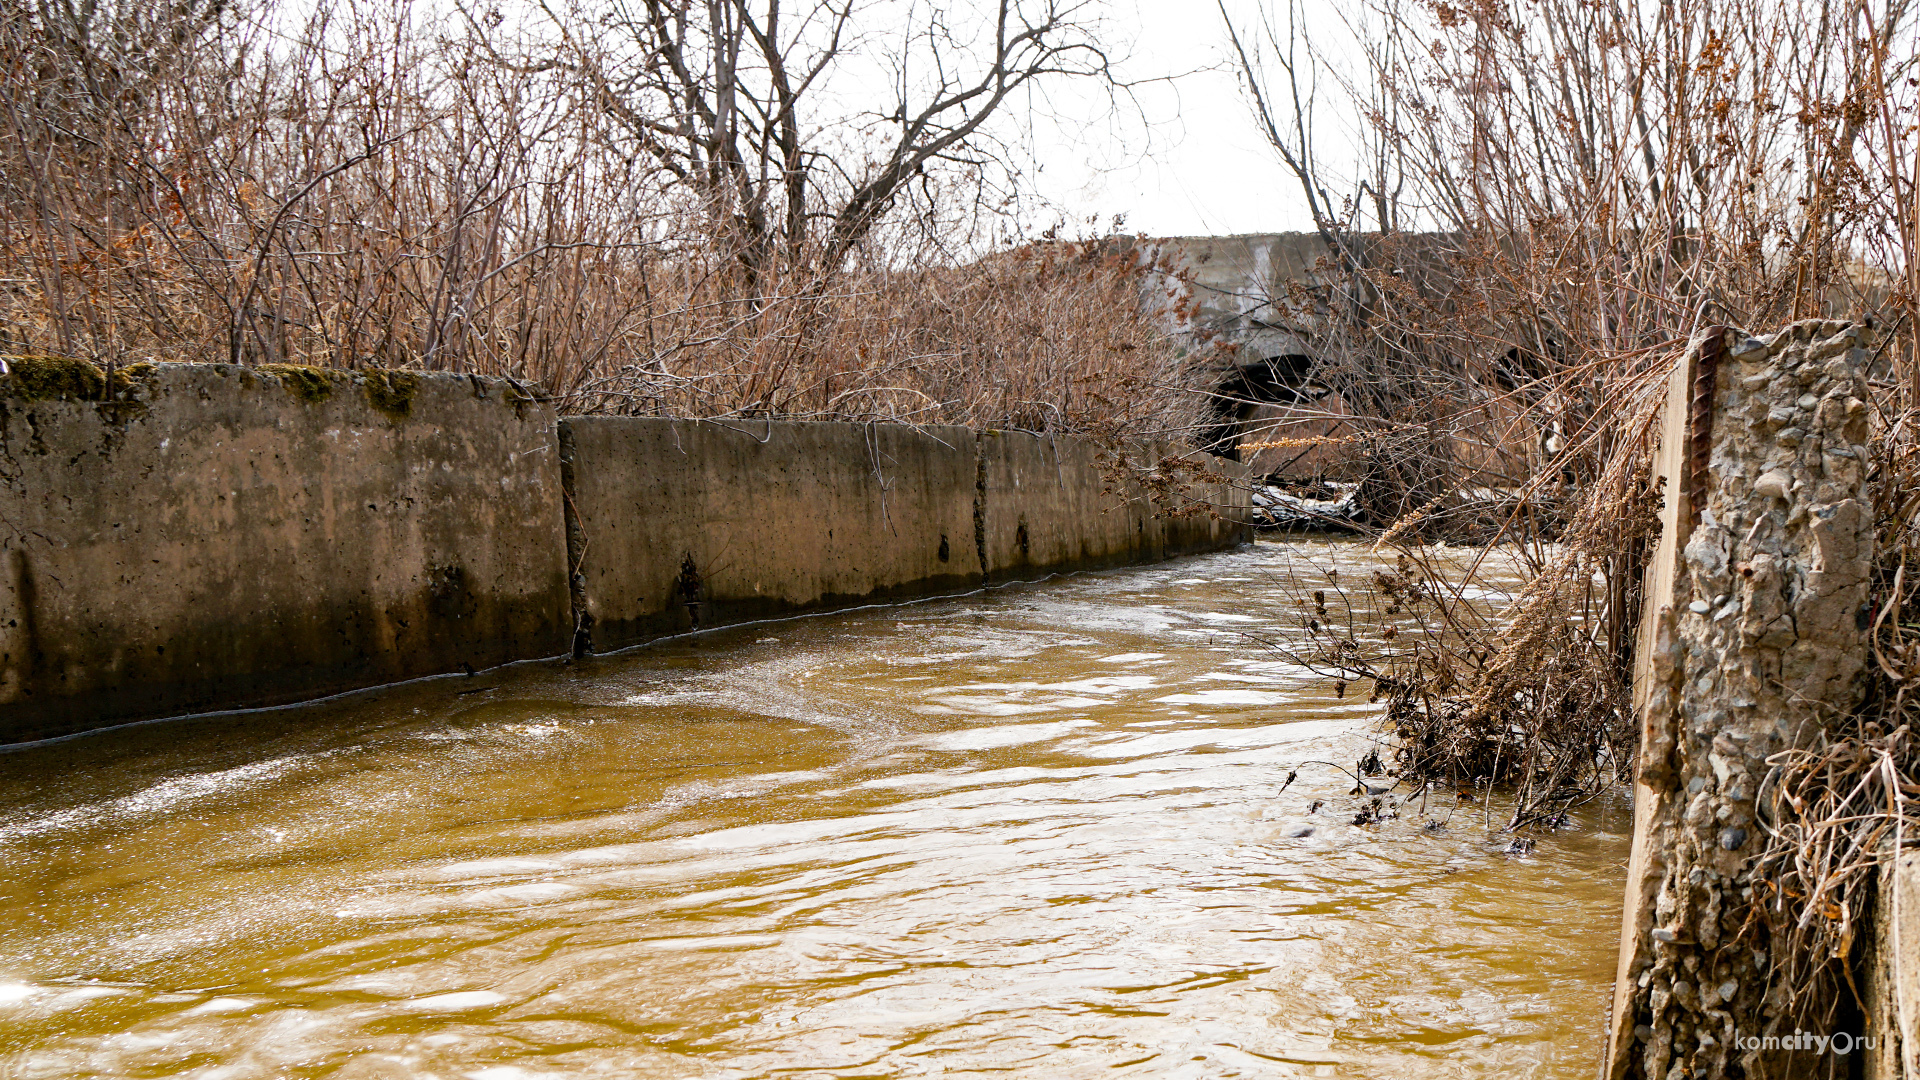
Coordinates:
679 524
1050 503
181 538
684 524
1891 980
221 537
1752 647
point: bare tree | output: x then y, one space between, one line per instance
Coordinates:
797 129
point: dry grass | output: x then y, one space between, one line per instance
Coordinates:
1558 194
1532 696
372 186
1048 337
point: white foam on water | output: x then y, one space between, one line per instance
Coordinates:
153 800
523 894
485 868
460 1001
1105 684
982 706
1228 697
74 998
723 941
994 738
221 1005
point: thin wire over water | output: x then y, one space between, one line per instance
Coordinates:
1037 831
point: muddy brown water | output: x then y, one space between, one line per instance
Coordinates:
1036 831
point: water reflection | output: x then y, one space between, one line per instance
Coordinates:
1036 831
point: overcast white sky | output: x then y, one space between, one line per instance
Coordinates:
1183 158
1204 168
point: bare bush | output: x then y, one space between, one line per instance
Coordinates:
1542 198
1590 185
685 217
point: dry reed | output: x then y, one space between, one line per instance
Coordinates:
1553 196
389 187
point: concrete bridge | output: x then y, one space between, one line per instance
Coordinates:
1247 300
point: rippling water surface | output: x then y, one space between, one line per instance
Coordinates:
1037 831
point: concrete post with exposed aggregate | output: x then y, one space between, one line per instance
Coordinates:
1761 646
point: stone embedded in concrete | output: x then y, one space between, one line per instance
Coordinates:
1052 504
681 523
192 537
1759 650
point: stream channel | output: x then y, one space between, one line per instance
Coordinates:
1035 831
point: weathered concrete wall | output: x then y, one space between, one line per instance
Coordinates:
1239 288
679 524
181 538
1049 504
200 537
